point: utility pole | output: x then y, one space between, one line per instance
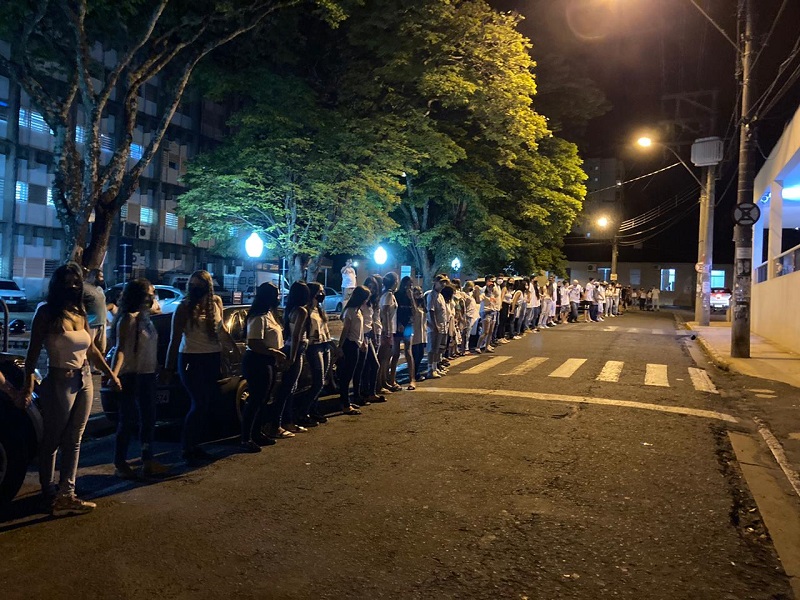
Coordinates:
705 248
743 234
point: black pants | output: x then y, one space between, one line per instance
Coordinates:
282 409
347 369
138 390
319 360
366 376
259 371
199 374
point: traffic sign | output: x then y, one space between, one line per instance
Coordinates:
746 213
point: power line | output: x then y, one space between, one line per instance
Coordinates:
621 183
771 31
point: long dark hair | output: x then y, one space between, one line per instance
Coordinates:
267 300
358 297
133 296
62 299
314 289
374 283
298 297
404 292
202 304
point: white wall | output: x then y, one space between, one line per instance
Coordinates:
774 314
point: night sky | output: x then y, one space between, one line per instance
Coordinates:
637 51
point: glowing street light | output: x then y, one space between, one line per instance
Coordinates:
254 245
603 222
645 142
380 256
456 264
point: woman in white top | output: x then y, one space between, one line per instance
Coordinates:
318 355
136 364
351 342
263 358
366 375
195 348
389 350
60 326
419 337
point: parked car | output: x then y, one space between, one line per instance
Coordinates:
168 297
13 296
333 301
172 402
180 280
720 299
20 431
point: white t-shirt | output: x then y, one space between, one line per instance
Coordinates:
389 306
141 355
355 333
266 327
575 293
195 339
348 278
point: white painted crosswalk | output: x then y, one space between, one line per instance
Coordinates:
611 371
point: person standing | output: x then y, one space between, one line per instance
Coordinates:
490 304
61 327
262 360
574 293
406 306
195 351
94 300
136 363
351 343
318 355
419 338
389 350
656 296
437 326
591 299
348 280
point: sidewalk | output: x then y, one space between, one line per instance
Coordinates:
767 360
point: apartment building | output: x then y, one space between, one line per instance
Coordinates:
151 238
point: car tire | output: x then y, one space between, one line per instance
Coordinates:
242 394
339 307
14 454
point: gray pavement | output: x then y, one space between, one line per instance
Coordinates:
587 461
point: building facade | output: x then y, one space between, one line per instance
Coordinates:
150 240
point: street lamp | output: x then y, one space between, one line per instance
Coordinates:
254 245
707 153
456 265
380 256
604 222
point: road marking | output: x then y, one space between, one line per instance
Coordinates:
701 381
656 375
610 328
780 456
634 330
528 365
486 365
611 371
760 391
568 368
512 395
658 332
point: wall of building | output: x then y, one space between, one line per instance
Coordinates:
677 289
774 315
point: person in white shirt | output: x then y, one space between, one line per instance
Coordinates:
574 293
351 342
472 316
656 296
437 326
490 304
388 355
348 280
590 298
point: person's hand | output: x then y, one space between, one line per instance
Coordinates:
23 399
115 383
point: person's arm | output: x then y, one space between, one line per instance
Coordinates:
38 333
126 327
386 324
346 324
97 360
179 319
224 333
297 331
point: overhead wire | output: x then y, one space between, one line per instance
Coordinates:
621 183
765 43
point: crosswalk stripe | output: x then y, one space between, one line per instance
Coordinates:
486 365
528 365
656 375
701 381
568 368
610 328
634 330
658 332
611 371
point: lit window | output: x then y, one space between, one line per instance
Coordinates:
146 216
123 212
50 197
717 279
24 118
22 192
136 151
667 280
106 143
172 220
80 135
38 123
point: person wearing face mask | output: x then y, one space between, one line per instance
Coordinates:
136 363
195 349
490 304
60 326
94 299
318 355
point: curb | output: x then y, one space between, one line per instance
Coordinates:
715 357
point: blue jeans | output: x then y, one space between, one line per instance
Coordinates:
199 374
282 409
347 369
66 402
319 360
367 373
259 371
138 389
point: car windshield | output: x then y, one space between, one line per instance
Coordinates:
9 285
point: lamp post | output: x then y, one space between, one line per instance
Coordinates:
706 153
380 256
604 222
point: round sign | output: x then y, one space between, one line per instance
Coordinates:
746 213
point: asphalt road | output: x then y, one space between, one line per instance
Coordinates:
552 471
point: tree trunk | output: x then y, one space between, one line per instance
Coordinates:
313 269
95 253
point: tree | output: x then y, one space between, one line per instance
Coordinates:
310 178
56 55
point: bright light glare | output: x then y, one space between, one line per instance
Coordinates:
456 264
791 193
644 142
380 255
254 246
602 221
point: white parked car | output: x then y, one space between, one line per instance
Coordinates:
333 301
168 297
15 298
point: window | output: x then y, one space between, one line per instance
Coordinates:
123 212
635 277
146 216
717 279
22 192
33 121
172 220
3 111
136 151
80 135
667 280
106 143
37 194
604 273
50 201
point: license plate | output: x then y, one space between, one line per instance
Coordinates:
162 397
